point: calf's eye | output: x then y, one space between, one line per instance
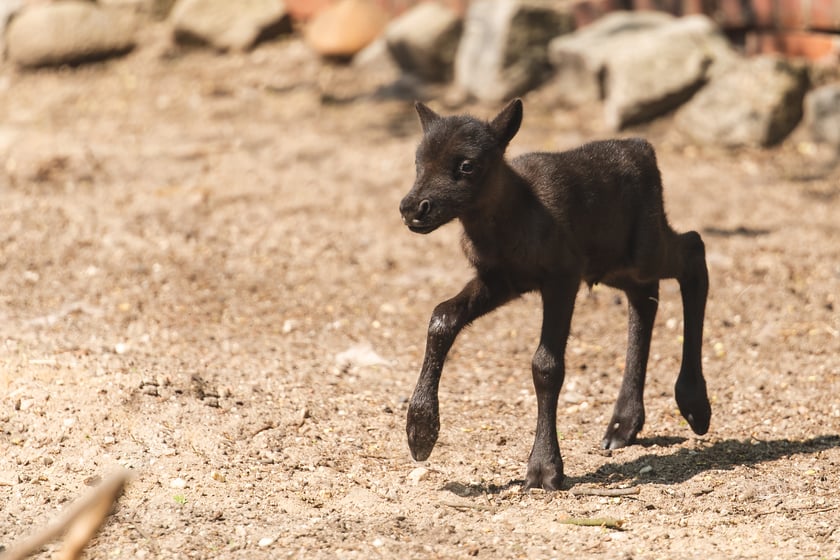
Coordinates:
466 167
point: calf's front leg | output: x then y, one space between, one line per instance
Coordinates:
481 295
545 465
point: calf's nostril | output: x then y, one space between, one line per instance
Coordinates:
423 208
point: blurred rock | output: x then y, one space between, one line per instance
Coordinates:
423 41
228 25
822 114
157 9
662 68
503 51
68 32
345 28
8 8
580 58
757 103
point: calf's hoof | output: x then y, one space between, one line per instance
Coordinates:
422 428
547 475
622 432
693 403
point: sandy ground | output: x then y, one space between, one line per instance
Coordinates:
205 279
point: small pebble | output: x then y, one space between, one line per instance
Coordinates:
217 476
265 541
178 483
9 478
646 469
417 475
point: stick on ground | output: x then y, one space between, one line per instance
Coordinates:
609 492
78 523
607 522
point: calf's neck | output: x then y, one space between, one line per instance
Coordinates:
546 222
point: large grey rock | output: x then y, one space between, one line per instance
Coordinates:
228 25
503 51
642 63
580 58
68 32
423 41
662 68
8 8
822 114
157 9
757 103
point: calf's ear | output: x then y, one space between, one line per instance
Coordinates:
427 116
506 124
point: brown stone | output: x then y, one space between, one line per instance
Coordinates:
345 28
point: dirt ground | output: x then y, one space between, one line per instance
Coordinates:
204 278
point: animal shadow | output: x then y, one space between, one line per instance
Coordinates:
684 464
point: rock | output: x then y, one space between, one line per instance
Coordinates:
359 355
228 25
8 8
345 28
580 59
757 103
822 114
503 51
265 541
157 9
423 41
661 69
418 475
9 478
69 32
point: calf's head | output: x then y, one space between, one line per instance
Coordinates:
455 161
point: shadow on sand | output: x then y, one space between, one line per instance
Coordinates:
684 464
676 467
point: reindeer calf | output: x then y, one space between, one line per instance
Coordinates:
546 221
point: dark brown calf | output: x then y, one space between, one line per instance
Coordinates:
547 221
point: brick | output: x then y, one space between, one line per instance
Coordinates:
587 11
804 44
764 12
825 15
303 10
733 14
792 14
669 6
690 7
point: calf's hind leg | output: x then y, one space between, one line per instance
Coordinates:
629 413
693 277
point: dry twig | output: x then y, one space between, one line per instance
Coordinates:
78 523
607 522
609 492
467 505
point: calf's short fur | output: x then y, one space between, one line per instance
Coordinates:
546 222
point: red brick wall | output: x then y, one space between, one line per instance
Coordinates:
802 28
809 28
